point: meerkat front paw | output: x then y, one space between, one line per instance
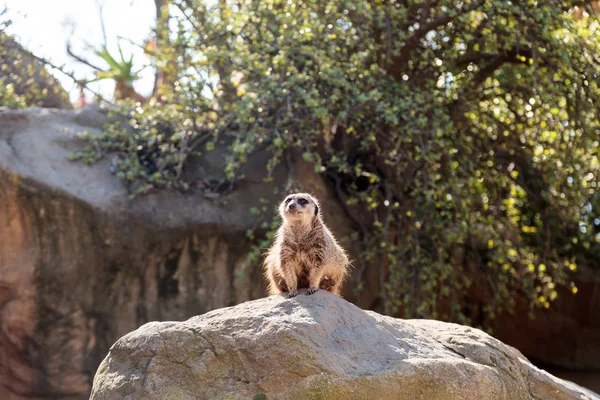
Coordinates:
293 293
311 290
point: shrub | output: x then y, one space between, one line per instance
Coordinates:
461 137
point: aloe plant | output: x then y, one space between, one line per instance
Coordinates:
121 71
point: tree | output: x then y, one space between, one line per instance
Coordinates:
23 79
462 137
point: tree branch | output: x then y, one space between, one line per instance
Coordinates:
413 42
510 56
69 74
101 14
81 60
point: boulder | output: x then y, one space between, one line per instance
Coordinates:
318 347
81 264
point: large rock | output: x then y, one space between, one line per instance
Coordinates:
81 264
318 347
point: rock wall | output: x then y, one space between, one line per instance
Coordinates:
565 335
74 279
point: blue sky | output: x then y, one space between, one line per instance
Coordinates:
45 26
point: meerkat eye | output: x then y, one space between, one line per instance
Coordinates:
302 202
288 200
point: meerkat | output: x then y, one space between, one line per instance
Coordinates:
304 253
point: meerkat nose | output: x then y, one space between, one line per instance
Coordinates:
292 206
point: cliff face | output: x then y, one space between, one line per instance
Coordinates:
321 347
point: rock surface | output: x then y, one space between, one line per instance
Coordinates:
320 347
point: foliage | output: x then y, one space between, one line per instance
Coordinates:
154 155
24 81
467 130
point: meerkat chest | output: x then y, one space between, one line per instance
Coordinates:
305 252
303 256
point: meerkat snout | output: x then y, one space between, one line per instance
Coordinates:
291 208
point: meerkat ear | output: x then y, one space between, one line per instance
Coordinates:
316 210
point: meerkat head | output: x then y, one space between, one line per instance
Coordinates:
299 207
